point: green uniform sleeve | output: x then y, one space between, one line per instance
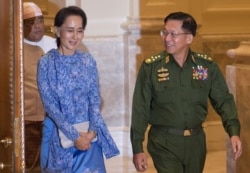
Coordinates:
140 108
223 102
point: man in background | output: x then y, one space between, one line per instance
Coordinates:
35 45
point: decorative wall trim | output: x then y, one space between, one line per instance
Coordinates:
219 44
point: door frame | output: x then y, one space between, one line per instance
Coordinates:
18 97
14 131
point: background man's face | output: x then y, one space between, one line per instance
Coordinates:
34 28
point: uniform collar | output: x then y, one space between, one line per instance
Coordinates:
190 57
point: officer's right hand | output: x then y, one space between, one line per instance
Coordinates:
140 162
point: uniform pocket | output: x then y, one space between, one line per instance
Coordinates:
199 91
165 92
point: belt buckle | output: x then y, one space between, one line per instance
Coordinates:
187 133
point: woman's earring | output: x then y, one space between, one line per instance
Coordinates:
56 31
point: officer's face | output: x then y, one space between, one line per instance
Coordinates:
34 28
176 40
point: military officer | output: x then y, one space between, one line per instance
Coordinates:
171 94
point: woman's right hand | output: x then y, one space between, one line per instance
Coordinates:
83 142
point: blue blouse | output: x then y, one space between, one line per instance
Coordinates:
69 88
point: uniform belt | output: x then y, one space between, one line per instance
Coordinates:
181 132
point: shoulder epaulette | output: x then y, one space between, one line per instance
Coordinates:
204 56
153 58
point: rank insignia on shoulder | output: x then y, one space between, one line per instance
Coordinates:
162 74
204 56
152 59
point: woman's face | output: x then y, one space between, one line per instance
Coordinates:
71 33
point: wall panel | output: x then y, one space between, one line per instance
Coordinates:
225 16
160 8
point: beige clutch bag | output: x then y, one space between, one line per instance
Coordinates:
81 127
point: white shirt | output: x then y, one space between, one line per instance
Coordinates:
46 43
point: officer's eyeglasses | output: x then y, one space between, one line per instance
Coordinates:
33 21
165 33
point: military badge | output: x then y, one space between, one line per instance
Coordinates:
200 73
162 74
167 59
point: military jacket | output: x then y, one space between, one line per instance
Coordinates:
167 94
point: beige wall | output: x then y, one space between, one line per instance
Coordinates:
213 16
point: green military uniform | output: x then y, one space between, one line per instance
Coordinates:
173 98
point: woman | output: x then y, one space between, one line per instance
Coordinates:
68 85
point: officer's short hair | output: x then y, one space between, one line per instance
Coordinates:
189 23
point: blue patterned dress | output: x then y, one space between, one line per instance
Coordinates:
69 89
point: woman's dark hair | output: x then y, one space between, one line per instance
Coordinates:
189 24
64 13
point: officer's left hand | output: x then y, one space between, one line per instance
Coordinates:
237 146
140 162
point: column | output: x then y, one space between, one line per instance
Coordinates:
238 79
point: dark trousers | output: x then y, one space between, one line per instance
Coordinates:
33 136
173 153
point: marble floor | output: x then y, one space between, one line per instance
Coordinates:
215 162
